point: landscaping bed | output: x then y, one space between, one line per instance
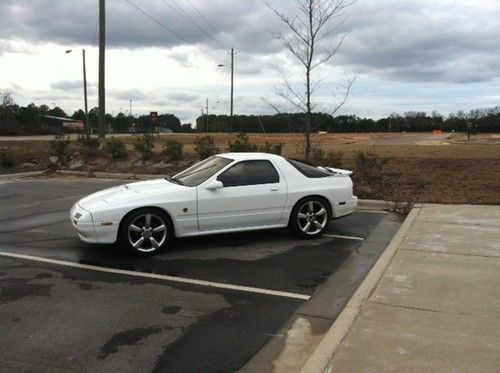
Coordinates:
456 173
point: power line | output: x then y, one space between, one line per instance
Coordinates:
188 18
224 39
161 24
95 30
202 16
216 92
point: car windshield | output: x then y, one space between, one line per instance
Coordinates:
200 172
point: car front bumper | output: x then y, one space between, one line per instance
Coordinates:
86 228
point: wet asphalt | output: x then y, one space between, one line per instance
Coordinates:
57 318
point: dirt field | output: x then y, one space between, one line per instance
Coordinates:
448 170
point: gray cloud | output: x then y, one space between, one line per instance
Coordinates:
15 46
154 98
389 42
417 40
67 85
66 22
130 94
423 41
182 97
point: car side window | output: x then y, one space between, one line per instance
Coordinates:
249 173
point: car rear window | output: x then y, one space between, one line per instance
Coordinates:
307 170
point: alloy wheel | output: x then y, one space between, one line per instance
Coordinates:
147 232
312 217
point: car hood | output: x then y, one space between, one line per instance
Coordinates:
128 193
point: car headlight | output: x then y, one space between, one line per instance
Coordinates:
80 216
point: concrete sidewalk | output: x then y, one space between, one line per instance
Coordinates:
435 307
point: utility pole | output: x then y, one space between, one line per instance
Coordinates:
102 41
232 85
232 88
87 124
200 127
208 128
130 111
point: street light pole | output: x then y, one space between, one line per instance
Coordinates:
87 124
208 128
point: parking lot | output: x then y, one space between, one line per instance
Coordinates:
206 304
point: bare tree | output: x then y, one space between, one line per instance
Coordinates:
306 33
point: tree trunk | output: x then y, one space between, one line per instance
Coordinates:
308 84
308 146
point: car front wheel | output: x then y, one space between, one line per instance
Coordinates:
146 232
310 217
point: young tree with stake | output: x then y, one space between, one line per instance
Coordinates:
306 38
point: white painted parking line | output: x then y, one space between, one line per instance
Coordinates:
190 281
344 237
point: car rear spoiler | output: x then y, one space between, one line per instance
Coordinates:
336 171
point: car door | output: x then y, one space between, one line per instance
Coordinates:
253 194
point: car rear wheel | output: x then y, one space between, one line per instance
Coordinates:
310 217
146 232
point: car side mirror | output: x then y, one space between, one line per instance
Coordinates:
214 185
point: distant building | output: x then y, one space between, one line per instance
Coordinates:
77 126
164 130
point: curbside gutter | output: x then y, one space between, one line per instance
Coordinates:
322 355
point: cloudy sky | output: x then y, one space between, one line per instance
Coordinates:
164 54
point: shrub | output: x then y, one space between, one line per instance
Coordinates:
317 157
6 161
242 144
115 148
369 165
59 145
89 144
145 145
330 159
205 147
333 159
271 148
172 150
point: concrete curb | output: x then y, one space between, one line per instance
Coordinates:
320 358
21 175
376 204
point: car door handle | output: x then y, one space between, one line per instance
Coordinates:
274 189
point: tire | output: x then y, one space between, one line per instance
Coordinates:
146 232
310 217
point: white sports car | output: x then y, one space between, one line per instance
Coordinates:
224 193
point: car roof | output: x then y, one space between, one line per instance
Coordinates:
250 156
